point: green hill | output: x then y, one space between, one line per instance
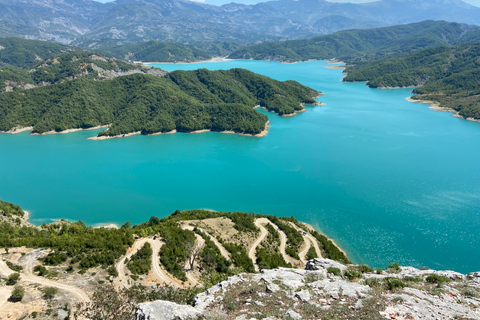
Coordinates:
449 76
80 90
156 51
22 53
364 44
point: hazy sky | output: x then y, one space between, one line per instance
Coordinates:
473 2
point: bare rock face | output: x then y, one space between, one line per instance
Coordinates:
165 310
282 293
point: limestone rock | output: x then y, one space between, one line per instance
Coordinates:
320 263
165 310
290 314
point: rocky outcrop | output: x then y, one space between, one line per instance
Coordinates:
401 293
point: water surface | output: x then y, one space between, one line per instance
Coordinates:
389 180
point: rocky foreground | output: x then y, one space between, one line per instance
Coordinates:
326 289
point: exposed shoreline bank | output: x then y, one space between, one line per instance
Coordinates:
435 106
258 135
215 59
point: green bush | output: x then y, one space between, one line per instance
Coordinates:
335 271
394 268
373 282
393 283
49 292
435 278
13 279
141 261
351 274
14 267
17 294
311 254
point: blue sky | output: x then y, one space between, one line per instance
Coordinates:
219 2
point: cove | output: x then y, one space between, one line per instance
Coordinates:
387 179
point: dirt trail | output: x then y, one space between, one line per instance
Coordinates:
263 233
309 241
122 281
27 276
199 244
5 271
283 245
5 293
79 293
161 275
220 247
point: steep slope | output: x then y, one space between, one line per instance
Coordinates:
82 21
448 76
326 289
354 44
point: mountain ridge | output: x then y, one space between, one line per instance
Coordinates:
77 22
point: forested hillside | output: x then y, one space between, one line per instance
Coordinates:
449 76
71 96
155 51
22 53
364 44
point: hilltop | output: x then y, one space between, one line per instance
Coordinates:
171 258
326 289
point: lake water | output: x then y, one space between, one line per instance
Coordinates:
387 179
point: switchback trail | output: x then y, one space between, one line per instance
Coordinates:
121 281
283 245
309 241
259 223
27 276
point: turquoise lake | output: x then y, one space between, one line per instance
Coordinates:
388 180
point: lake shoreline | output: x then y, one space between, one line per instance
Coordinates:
435 106
258 135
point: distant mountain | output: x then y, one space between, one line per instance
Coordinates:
364 44
86 21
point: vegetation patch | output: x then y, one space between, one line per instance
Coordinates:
141 261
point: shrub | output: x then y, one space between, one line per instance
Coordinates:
14 267
435 278
363 268
379 271
393 283
13 279
394 268
49 292
351 274
335 271
373 282
311 254
413 279
17 294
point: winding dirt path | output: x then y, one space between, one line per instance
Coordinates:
27 276
220 247
259 223
122 281
283 245
157 272
77 292
309 241
198 244
5 271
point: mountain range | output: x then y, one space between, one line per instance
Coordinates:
88 23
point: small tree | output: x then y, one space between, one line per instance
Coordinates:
13 279
50 292
17 294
